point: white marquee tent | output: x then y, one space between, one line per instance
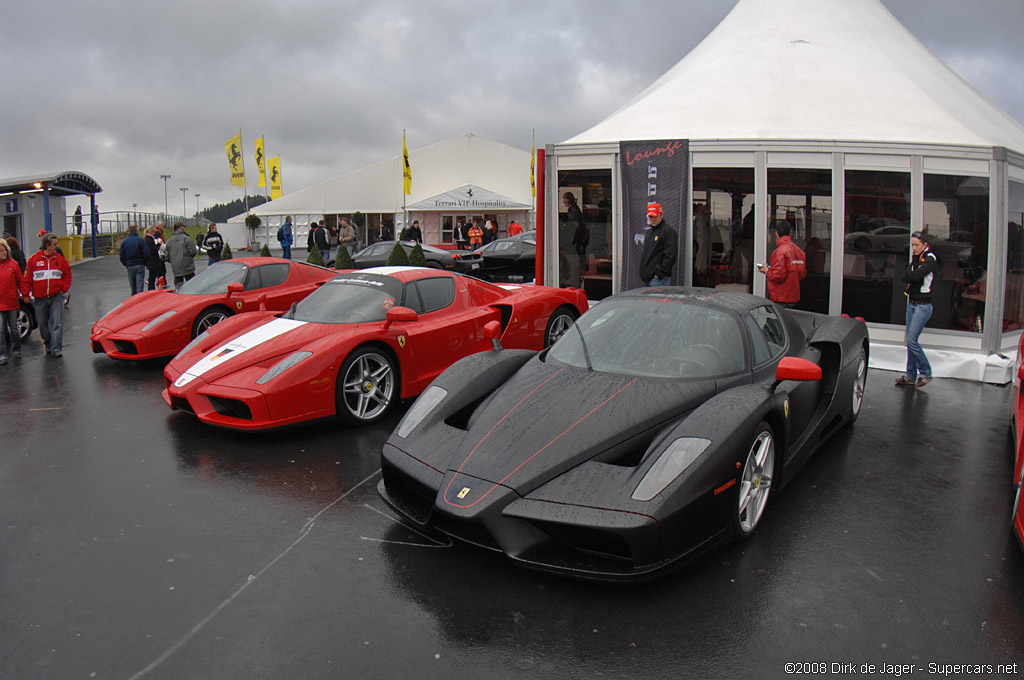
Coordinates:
834 94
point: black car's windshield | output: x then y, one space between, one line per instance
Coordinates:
654 338
350 298
215 279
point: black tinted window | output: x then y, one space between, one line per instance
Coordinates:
273 274
436 293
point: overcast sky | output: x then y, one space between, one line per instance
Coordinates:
126 91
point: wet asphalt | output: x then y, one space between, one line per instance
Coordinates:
137 543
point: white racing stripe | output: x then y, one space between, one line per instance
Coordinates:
239 345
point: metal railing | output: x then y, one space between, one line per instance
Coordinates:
117 222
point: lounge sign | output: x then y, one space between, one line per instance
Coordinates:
655 171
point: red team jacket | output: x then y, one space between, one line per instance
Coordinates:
49 275
787 269
11 282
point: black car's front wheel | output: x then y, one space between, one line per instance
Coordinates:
25 323
367 387
860 381
756 482
560 321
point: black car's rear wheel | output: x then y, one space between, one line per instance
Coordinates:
560 321
367 387
860 381
756 482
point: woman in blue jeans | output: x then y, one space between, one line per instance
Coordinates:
920 279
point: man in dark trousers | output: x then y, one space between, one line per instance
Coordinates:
661 248
134 254
787 269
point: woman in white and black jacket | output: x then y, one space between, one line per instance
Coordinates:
920 279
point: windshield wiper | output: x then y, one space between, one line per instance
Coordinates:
583 343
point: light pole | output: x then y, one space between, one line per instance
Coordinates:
184 190
165 178
197 205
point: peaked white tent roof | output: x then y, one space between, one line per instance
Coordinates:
468 167
811 70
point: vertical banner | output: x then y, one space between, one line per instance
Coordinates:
533 156
653 172
406 168
275 177
234 151
260 165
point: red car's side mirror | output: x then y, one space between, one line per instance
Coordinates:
400 314
234 288
795 368
492 331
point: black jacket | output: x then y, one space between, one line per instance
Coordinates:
661 248
214 244
920 277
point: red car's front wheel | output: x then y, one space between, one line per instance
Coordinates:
367 387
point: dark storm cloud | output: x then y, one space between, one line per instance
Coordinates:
127 91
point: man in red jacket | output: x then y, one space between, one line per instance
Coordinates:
787 269
50 275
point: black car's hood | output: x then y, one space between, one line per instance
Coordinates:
548 419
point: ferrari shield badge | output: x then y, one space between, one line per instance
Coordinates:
463 493
238 305
786 406
401 343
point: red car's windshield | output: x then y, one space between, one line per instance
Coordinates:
215 279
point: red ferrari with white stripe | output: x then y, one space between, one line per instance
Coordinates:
353 348
158 323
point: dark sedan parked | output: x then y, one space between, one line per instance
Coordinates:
461 261
512 259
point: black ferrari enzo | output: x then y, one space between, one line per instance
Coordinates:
653 431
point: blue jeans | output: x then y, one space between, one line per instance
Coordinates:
917 362
9 322
287 252
50 317
326 252
214 259
137 277
663 281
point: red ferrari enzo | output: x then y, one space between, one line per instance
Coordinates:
356 346
158 323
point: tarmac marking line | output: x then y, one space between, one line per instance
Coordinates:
306 528
437 543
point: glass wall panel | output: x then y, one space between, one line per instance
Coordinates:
956 219
723 227
1013 310
876 245
804 199
585 231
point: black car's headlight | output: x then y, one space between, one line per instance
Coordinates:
427 402
679 455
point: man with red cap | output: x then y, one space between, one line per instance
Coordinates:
661 248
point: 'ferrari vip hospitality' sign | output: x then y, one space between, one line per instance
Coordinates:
652 172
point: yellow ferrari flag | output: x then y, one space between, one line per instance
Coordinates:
406 169
275 177
533 156
234 151
260 165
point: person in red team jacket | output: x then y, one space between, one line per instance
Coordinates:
50 276
787 269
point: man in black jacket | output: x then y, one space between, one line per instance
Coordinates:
661 248
213 244
920 279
